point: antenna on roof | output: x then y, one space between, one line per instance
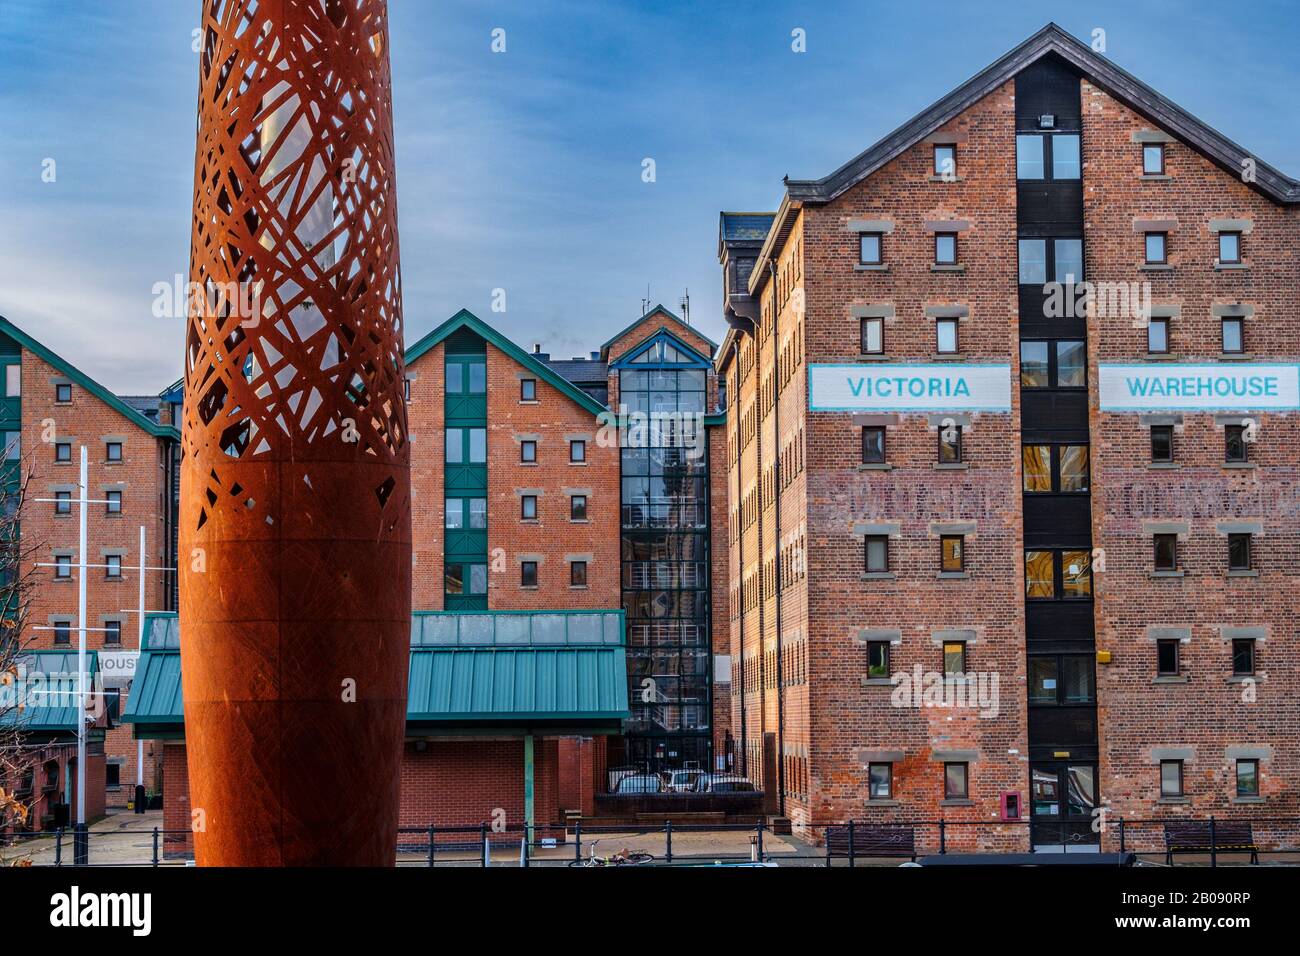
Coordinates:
645 303
686 307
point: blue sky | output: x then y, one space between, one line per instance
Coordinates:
522 170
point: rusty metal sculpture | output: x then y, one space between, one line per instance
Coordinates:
295 486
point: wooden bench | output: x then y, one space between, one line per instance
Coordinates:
870 839
1194 837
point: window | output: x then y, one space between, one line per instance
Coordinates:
455 514
1058 575
63 502
1073 468
1162 442
466 378
1035 369
945 248
954 658
528 451
1153 159
1029 157
950 445
1171 778
578 574
63 393
1065 156
453 577
1068 257
478 513
1234 443
577 451
1071 365
1167 651
1061 679
1229 247
1243 657
62 632
945 336
1166 552
112 775
1155 248
1054 468
528 389
477 446
63 565
881 776
455 453
1033 261
13 380
577 507
1248 778
528 574
112 565
873 445
945 160
873 336
1063 364
113 451
1158 334
14 446
1238 552
63 451
528 507
956 783
112 632
878 660
952 553
113 502
877 558
1233 334
870 249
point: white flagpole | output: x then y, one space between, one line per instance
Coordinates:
81 646
139 744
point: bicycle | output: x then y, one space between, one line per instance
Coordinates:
624 857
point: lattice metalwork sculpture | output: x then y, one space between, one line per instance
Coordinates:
295 487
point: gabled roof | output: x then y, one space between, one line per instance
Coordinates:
1116 81
658 309
464 319
665 334
86 382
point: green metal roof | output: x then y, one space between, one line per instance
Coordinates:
464 319
86 382
484 669
46 687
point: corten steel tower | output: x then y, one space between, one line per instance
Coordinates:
295 488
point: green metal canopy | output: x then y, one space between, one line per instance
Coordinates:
513 672
43 698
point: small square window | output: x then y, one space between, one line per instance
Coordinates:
945 161
1029 156
956 782
528 507
1238 552
873 445
945 335
478 513
954 658
113 502
1155 248
577 451
112 632
870 249
878 660
1162 442
1166 552
454 514
1153 159
1158 335
1234 443
528 389
63 393
1167 650
63 565
1243 657
113 565
577 507
950 445
1171 778
113 451
528 451
528 574
881 776
1035 372
945 248
877 548
14 380
578 574
952 551
873 336
63 502
1229 247
1248 778
1233 335
453 577
62 632
63 451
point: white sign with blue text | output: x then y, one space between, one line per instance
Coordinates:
933 387
1220 387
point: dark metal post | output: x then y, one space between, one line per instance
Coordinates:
1214 844
668 841
761 826
577 841
853 845
431 830
943 837
487 850
58 847
1121 835
155 846
80 843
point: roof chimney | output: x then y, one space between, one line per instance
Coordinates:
537 348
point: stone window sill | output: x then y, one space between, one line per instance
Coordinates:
950 466
1155 178
1242 678
577 587
579 521
530 521
1248 800
877 682
529 401
1229 266
876 466
946 179
1161 357
870 267
946 357
529 464
1239 465
1155 267
873 357
955 802
1170 679
579 464
878 576
1243 574
953 575
1167 574
1235 356
1163 465
1175 801
528 587
883 803
947 267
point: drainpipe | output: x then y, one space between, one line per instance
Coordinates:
776 472
740 567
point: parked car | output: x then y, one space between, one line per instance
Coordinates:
618 773
723 783
681 781
640 783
